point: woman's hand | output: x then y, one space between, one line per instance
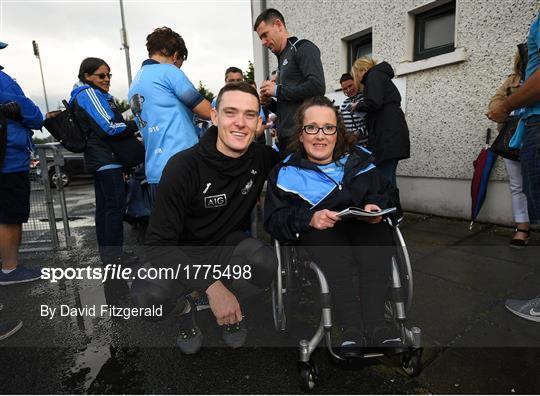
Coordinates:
373 208
323 219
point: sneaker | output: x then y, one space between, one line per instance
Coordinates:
235 335
527 309
9 328
190 337
20 274
386 336
353 344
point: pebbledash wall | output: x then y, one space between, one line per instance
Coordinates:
444 97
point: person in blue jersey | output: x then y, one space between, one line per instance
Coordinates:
527 96
325 174
163 101
91 94
18 116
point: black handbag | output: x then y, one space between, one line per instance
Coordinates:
129 150
66 128
501 143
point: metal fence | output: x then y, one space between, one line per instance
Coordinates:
48 225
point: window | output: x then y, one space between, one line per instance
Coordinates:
434 31
359 47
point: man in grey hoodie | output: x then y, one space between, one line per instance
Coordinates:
300 72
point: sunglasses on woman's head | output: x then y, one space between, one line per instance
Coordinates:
103 75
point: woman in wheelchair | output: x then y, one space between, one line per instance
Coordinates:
325 174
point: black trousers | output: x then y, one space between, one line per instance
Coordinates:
237 251
353 251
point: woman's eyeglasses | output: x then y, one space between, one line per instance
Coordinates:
103 75
314 129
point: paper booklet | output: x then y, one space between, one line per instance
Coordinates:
357 212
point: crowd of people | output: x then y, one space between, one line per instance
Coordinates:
203 183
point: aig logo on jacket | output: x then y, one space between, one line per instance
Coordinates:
215 201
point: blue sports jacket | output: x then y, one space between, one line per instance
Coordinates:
106 122
19 133
297 188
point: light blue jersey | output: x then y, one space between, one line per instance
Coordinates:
162 100
533 44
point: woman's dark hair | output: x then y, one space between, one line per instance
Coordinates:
344 141
89 66
167 42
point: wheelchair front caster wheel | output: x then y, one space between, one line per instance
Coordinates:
308 375
411 363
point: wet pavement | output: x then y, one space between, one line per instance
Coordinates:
461 277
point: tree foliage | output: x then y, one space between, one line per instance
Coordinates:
209 95
249 74
121 105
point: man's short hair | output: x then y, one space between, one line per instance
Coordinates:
241 86
167 42
345 77
233 69
268 16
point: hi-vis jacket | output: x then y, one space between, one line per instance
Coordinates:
297 188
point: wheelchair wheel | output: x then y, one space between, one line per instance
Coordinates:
308 374
285 286
411 362
278 306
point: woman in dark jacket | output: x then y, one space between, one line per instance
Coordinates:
104 122
388 131
325 174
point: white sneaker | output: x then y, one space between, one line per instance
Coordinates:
526 309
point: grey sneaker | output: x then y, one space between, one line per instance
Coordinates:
527 309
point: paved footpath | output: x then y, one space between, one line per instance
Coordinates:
462 278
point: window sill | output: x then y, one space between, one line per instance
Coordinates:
407 67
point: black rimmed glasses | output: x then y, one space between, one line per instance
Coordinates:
314 129
103 75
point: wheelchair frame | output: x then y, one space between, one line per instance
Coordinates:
288 267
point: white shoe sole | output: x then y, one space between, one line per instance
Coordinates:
521 315
12 331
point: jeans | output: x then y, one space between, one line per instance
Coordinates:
388 168
519 200
530 167
110 210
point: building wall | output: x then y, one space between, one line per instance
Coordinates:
446 105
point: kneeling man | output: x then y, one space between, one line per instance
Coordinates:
200 217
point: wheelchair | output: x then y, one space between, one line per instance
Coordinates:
292 273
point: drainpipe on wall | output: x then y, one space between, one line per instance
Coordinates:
260 54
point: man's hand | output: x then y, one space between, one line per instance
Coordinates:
223 304
499 112
372 208
268 89
323 219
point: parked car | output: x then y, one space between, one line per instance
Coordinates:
73 167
